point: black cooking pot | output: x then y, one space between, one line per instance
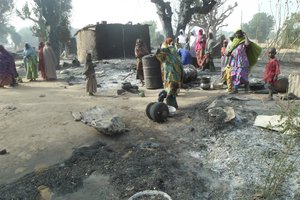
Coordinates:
205 86
205 80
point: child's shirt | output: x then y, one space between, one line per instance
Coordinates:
272 69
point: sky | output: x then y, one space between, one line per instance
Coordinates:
138 11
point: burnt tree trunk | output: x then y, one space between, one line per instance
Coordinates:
187 10
165 13
52 18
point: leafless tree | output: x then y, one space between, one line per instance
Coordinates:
214 20
187 9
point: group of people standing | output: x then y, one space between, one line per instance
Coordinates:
239 55
197 48
47 62
173 55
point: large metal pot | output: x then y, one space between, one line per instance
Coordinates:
205 80
205 86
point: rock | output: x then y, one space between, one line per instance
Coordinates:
20 170
65 72
276 123
75 63
45 193
273 122
149 145
220 114
66 65
191 129
142 94
77 116
127 155
120 92
10 108
104 121
3 152
41 168
220 102
235 98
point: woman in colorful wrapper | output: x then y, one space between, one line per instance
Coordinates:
244 55
172 73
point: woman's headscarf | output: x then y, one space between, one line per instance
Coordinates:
236 41
181 37
253 50
140 48
168 42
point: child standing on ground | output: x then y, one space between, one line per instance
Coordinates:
89 72
272 70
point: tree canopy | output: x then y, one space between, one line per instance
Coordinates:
215 18
259 27
6 6
52 16
291 32
186 10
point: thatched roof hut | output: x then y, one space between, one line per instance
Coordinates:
108 41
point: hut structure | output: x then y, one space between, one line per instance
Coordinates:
109 41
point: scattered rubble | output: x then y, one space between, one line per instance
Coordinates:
102 120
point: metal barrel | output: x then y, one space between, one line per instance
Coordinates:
152 72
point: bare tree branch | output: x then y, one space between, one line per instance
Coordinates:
215 17
187 9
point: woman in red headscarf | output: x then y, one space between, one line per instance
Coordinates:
200 47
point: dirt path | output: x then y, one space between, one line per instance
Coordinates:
40 135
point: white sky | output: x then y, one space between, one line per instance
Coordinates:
113 11
122 11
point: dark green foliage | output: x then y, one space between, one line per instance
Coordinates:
6 7
259 27
51 20
291 32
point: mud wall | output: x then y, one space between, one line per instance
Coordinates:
85 40
118 40
294 84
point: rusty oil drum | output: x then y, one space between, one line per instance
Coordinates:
152 72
